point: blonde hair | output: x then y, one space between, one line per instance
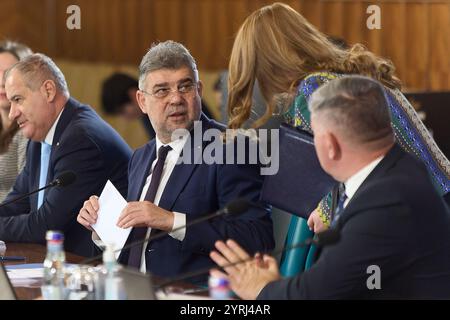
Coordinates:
278 47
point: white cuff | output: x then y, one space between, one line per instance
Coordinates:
179 220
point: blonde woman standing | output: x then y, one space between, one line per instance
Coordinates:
290 58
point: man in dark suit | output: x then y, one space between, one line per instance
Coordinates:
65 135
395 229
170 184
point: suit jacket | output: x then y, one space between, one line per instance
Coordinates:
82 143
195 190
397 221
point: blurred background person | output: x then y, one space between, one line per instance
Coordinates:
289 57
119 98
13 144
220 95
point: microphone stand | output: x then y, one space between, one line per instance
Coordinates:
51 184
328 237
206 270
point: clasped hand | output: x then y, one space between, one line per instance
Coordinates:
248 278
135 214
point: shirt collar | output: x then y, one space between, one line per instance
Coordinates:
176 145
355 181
51 133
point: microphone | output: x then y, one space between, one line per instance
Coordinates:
235 207
321 239
64 179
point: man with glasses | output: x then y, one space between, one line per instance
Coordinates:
119 99
164 195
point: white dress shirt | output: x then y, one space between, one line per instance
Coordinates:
51 133
171 160
355 181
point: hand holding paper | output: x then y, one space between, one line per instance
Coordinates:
111 204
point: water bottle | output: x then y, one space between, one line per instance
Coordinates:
219 288
2 248
108 284
53 282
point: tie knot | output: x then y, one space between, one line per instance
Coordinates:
45 148
163 151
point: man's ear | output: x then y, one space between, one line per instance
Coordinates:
48 89
141 98
333 146
200 88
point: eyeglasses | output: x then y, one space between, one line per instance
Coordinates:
186 89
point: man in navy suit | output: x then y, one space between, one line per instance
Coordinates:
65 135
164 194
395 229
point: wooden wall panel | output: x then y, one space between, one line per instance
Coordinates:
312 10
415 34
440 46
333 18
393 30
372 39
21 22
354 12
223 46
416 46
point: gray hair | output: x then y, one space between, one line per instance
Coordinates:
36 69
166 55
357 105
17 49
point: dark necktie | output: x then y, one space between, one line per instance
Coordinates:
340 205
138 233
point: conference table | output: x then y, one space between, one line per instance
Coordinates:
35 253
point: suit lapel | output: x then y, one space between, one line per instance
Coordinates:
380 170
179 178
182 172
66 116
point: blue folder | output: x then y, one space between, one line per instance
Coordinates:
301 182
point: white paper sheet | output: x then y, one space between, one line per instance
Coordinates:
25 274
111 205
160 295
